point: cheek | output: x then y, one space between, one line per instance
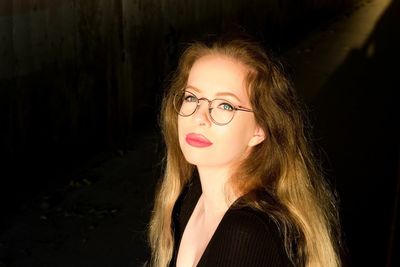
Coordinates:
239 131
233 141
184 127
181 130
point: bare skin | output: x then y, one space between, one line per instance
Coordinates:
205 218
198 233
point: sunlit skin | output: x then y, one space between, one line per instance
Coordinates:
214 76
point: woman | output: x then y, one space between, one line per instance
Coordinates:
240 187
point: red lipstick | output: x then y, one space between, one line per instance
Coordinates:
197 140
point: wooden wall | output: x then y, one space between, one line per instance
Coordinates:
78 77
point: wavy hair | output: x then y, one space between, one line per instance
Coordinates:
279 177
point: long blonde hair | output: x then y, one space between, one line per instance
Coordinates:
281 167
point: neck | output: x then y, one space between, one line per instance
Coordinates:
217 195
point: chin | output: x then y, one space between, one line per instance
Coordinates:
193 158
199 159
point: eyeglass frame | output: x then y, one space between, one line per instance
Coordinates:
235 108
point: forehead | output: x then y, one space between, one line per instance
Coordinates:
213 74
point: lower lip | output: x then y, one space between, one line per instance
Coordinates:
197 142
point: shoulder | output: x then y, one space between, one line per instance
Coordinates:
186 203
246 215
247 223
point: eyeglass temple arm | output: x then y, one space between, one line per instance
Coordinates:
244 109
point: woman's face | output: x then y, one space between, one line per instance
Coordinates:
204 143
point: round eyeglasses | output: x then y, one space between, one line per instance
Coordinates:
221 111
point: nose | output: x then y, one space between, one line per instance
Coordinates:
202 115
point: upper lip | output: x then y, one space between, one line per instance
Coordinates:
198 137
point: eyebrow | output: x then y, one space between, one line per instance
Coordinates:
217 95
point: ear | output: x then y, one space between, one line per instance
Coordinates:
258 137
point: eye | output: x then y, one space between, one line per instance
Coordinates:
226 106
190 98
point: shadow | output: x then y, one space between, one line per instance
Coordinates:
357 122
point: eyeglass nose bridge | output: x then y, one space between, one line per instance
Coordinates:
198 106
206 99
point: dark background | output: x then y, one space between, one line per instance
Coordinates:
80 90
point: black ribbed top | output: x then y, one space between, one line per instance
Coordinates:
245 237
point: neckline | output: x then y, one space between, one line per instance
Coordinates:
197 185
